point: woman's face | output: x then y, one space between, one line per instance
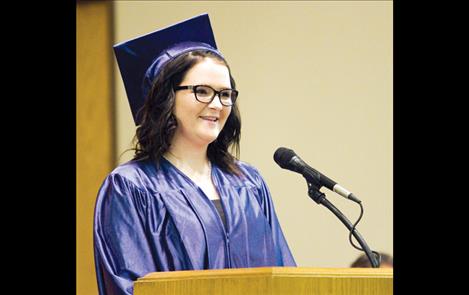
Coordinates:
200 123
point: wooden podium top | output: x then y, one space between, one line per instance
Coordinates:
269 280
271 271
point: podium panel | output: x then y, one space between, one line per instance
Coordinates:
269 280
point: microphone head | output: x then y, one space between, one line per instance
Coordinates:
282 157
288 159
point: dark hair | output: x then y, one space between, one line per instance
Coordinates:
158 124
363 261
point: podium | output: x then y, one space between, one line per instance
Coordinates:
268 280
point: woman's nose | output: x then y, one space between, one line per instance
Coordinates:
216 103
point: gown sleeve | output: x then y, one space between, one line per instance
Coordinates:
283 254
121 249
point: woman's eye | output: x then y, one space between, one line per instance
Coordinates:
225 94
202 91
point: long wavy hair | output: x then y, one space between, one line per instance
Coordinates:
158 124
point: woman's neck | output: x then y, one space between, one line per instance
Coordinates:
190 159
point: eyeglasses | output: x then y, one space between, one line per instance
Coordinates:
206 94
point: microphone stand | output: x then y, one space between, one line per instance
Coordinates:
320 198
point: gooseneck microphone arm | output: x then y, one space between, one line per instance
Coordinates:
320 198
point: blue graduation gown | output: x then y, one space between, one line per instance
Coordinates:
151 219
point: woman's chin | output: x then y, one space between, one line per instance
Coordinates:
209 137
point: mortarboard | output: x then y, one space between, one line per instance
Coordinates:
141 59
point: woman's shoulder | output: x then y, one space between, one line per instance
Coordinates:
136 173
247 168
129 185
131 168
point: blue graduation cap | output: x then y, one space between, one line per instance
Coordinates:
140 60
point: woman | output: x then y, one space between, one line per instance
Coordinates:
184 202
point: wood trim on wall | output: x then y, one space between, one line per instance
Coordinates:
95 132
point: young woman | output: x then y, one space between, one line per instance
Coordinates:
184 202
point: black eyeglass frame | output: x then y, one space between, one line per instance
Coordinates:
215 93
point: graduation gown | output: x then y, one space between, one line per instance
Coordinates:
151 219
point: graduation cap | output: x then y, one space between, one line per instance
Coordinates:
141 59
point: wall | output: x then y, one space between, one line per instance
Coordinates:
315 77
94 133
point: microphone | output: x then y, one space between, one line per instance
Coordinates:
288 159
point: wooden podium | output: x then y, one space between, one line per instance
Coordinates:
269 280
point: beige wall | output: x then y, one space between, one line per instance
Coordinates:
315 77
